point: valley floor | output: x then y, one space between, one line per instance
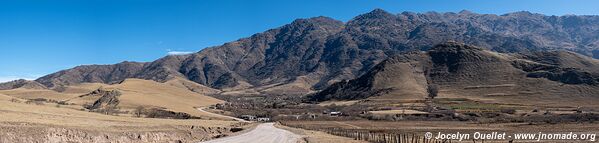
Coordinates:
30 122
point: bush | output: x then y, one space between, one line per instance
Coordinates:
508 111
62 103
578 110
139 111
236 129
34 102
40 99
432 90
108 110
159 113
14 100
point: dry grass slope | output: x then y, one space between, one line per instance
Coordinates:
136 92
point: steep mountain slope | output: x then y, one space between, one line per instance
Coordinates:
285 52
109 74
21 83
310 54
471 71
402 74
564 59
192 86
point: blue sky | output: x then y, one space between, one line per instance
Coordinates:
39 37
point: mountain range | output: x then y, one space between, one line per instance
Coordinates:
308 55
470 71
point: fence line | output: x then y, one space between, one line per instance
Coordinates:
376 137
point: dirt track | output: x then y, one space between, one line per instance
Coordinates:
219 115
263 133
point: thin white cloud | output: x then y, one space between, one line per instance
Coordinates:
11 78
178 52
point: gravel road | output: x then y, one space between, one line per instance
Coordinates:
219 115
263 133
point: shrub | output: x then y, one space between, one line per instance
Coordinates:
159 113
432 90
139 111
34 102
236 129
508 111
62 103
15 100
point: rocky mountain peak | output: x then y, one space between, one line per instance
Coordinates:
376 14
312 25
320 20
520 13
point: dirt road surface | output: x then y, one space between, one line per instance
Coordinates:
219 115
263 133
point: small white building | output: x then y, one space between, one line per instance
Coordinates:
263 119
248 117
335 113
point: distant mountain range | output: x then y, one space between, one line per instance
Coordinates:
311 54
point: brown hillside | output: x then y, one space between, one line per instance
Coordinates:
133 93
471 72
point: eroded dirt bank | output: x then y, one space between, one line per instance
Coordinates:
33 133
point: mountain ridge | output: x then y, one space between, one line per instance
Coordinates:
463 68
323 51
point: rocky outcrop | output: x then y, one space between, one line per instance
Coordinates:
109 99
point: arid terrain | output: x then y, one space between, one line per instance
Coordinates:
171 95
42 115
22 122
